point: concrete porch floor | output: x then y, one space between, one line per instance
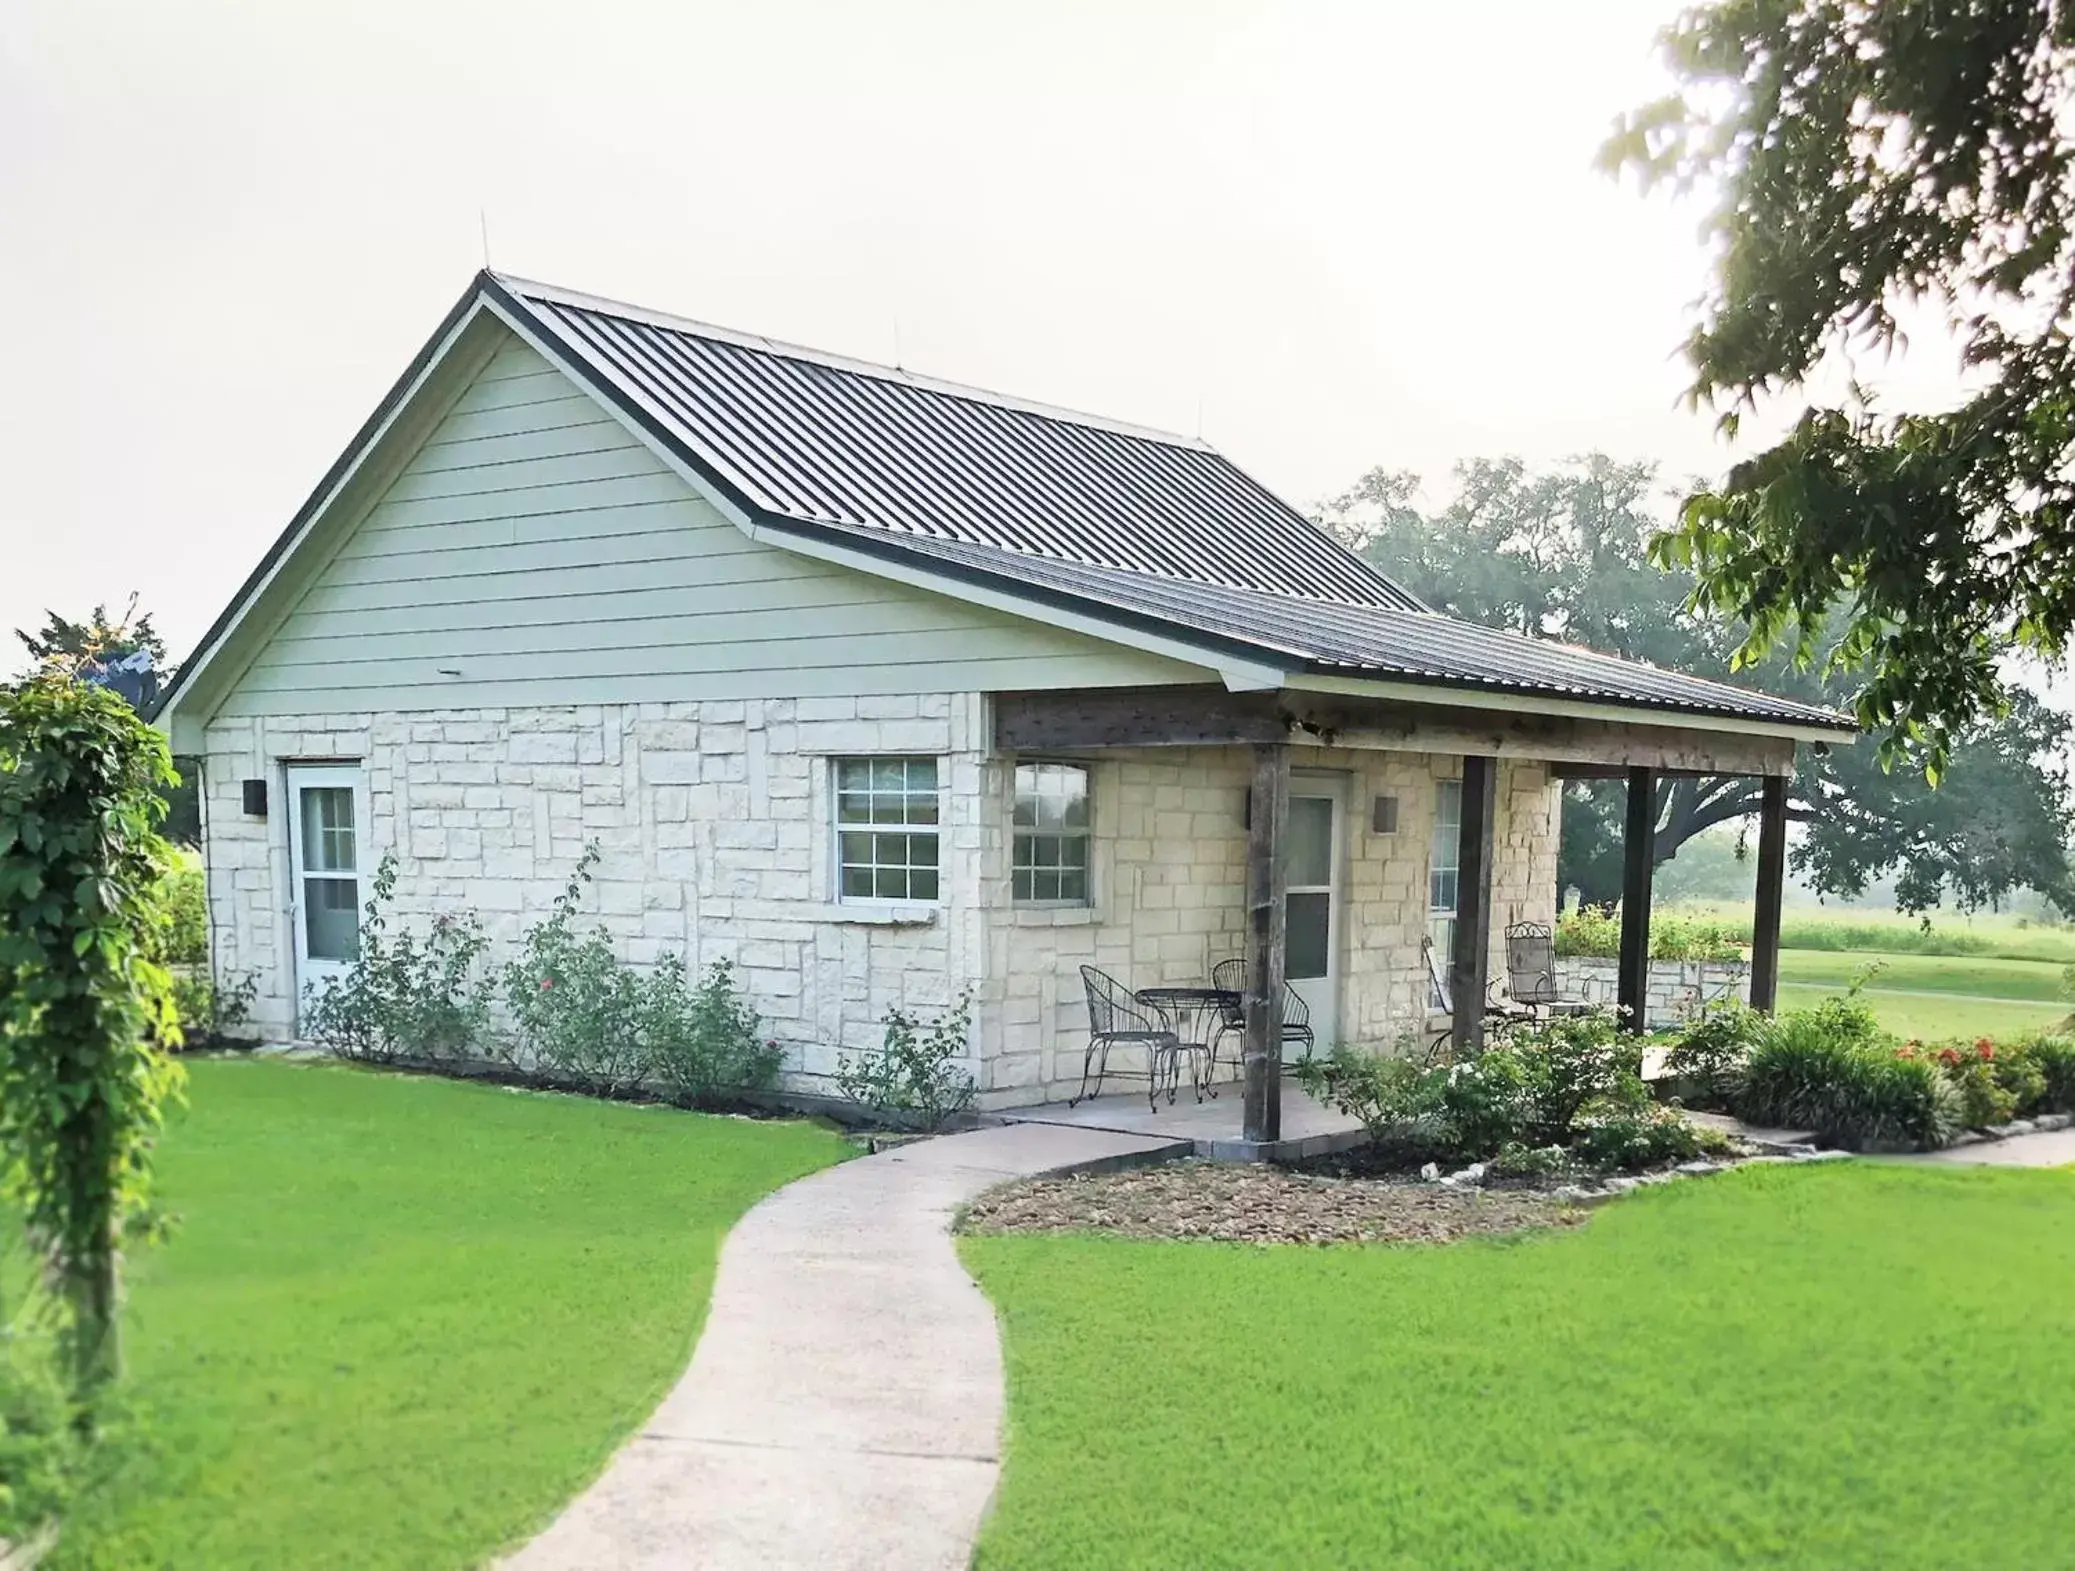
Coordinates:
1212 1126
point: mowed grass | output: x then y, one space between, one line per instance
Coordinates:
401 1321
1896 932
1933 1017
1844 1366
1980 976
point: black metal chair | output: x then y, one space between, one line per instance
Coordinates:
1531 971
1114 1016
1441 1001
1229 976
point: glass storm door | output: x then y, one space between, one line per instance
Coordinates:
326 837
1312 858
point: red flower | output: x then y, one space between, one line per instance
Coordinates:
1985 1050
546 983
1908 1051
1949 1056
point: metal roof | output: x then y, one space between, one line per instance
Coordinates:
821 439
1330 637
1052 504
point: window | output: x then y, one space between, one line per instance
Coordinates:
1049 855
1444 864
887 812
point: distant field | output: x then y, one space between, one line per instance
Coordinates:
1932 1017
1890 932
2038 980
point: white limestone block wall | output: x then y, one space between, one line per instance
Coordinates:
1677 988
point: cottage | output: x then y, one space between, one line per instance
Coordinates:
882 687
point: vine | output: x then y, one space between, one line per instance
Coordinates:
86 1016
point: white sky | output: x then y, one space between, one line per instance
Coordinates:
1350 235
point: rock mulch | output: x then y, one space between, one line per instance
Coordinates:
1258 1204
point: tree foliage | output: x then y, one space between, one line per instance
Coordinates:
85 1006
97 638
1567 553
1862 159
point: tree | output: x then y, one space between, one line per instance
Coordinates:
1567 553
99 641
97 638
1865 158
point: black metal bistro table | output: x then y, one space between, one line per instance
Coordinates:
1198 1014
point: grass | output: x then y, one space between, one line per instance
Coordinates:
403 1320
1857 1365
1930 1017
1894 932
2037 980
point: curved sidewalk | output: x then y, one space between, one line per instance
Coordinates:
844 1406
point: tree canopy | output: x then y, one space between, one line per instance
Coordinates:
96 638
1567 553
1862 160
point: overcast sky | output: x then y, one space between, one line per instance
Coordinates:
1328 236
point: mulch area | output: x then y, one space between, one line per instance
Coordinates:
1258 1204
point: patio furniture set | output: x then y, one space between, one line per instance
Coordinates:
1170 1023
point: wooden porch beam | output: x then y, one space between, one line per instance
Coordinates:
1772 880
1639 859
1470 961
1267 965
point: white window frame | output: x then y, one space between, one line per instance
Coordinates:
1085 833
297 778
1445 854
837 828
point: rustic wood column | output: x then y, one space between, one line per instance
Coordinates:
1639 860
1772 880
1267 883
1469 962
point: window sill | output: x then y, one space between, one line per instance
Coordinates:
1054 916
865 913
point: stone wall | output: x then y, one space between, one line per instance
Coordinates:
1677 990
715 825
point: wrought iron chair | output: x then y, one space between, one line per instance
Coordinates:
1229 976
1441 1001
1114 1016
1531 971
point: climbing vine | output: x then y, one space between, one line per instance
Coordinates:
86 1016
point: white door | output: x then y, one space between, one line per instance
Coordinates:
327 832
1312 910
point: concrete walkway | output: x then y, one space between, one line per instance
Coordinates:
2048 1150
844 1406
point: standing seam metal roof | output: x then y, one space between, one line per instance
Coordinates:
813 438
1077 509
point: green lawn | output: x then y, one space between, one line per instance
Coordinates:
403 1320
1932 1017
2037 980
1852 1365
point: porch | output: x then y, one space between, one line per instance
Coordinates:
1213 1126
1362 967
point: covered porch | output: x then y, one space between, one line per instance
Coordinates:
1497 767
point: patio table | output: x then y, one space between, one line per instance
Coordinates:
1196 1013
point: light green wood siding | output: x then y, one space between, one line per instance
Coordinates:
533 552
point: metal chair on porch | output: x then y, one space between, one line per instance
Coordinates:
1116 1016
1531 971
1229 977
1441 1001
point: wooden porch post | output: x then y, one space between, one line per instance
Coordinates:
1639 850
1470 961
1772 878
1267 881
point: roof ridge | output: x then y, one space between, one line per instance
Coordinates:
534 289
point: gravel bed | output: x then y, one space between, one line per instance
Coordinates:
1258 1204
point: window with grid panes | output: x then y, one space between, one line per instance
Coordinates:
887 812
1048 862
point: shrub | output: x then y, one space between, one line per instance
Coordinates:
1621 1136
1388 1094
405 997
1980 1097
1831 1069
1516 1163
210 1014
1711 1052
187 907
703 1041
576 1012
1596 933
2054 1057
914 1078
